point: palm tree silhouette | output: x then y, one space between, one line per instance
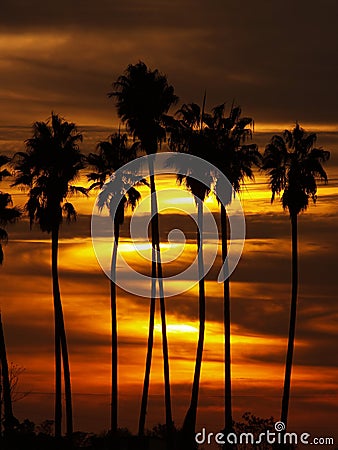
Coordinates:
236 159
188 136
52 160
293 165
142 98
111 156
8 214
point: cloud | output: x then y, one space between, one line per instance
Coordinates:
260 297
266 55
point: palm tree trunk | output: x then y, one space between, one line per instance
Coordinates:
146 381
114 375
227 332
292 326
66 373
156 236
157 274
144 402
168 413
57 344
167 394
6 385
188 431
60 347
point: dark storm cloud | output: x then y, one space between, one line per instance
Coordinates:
276 58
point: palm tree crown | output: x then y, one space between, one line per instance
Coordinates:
142 97
111 156
233 155
187 135
293 165
51 162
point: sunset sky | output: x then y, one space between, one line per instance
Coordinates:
278 61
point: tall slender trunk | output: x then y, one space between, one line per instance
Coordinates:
292 326
6 385
188 431
144 402
66 374
60 341
156 236
114 347
156 274
146 382
227 332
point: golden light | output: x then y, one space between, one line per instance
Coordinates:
177 328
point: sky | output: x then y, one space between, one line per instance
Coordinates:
277 60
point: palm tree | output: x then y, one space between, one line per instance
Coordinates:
8 214
188 136
111 156
235 158
225 147
142 98
293 165
52 161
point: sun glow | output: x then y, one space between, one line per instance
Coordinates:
177 328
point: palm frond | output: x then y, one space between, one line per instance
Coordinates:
78 190
3 236
4 160
133 197
69 211
4 173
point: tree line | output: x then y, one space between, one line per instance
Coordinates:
51 163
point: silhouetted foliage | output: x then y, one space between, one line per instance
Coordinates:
293 165
142 97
